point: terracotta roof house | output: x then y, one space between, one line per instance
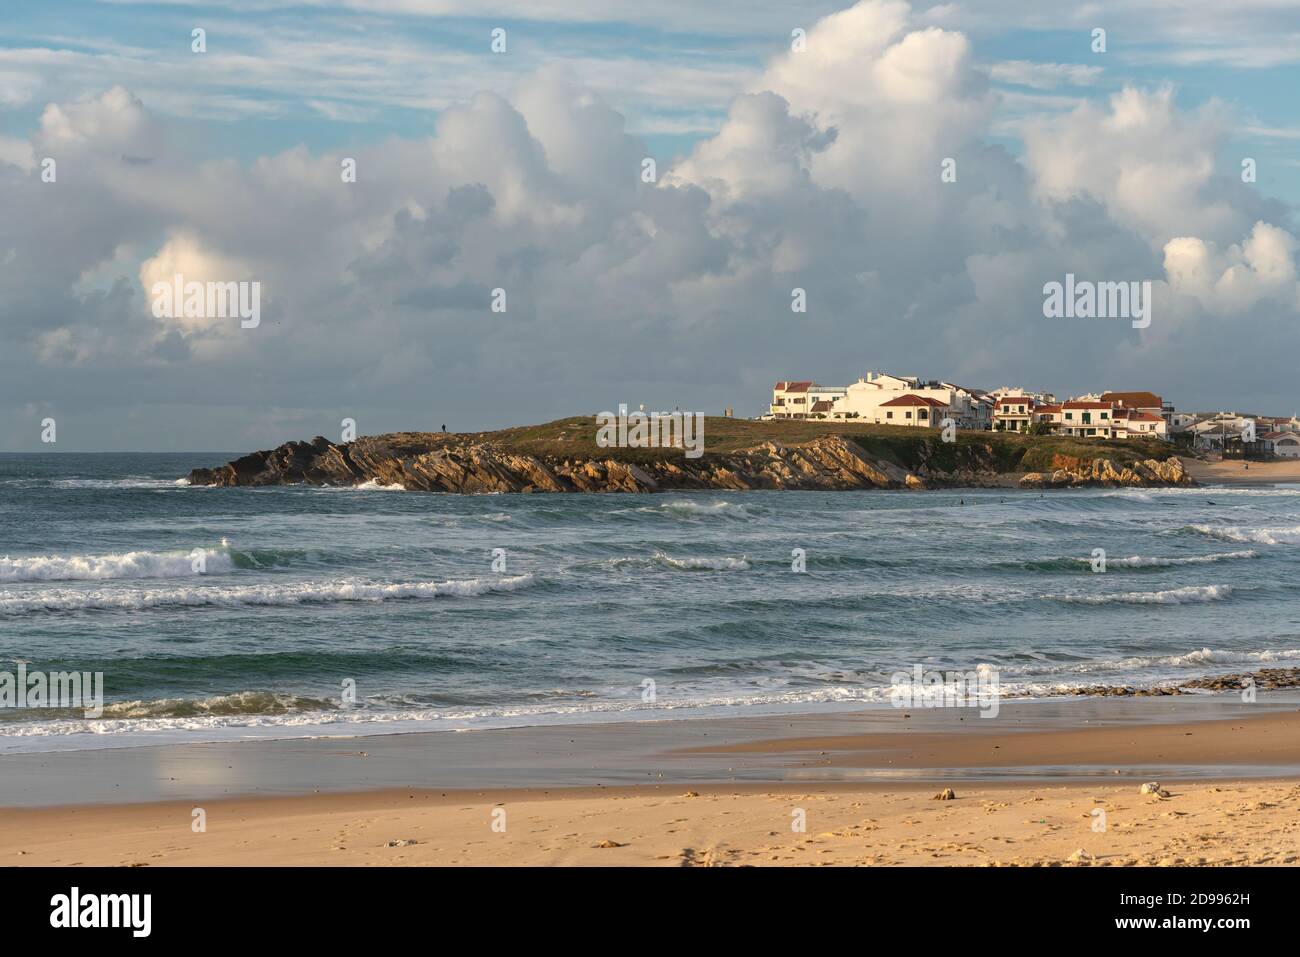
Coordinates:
912 410
1013 413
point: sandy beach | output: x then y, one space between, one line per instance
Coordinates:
1234 472
1038 790
1202 823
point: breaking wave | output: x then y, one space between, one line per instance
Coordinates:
242 702
1283 535
1139 561
1171 596
341 590
685 508
140 564
712 564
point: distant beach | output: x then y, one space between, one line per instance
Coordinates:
1235 472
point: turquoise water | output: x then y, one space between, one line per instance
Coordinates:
306 589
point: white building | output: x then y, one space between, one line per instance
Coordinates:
1013 412
1285 444
1212 432
1087 419
1129 423
910 409
872 399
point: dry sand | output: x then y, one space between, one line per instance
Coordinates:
1232 472
1228 820
1201 823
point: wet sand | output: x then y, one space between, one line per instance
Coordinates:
753 748
726 791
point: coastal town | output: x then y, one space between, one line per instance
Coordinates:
882 398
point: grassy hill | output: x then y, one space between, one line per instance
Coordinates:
907 447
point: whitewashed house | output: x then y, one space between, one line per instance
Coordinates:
1013 412
1286 444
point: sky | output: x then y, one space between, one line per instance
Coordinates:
919 171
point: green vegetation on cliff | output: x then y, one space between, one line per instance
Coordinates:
907 447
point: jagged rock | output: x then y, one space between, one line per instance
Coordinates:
1103 472
438 462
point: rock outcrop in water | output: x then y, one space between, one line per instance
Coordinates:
438 462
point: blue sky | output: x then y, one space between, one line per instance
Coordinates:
625 53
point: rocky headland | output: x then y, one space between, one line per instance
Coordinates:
505 462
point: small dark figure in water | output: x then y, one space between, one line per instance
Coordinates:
444 427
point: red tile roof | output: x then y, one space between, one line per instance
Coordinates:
913 400
1134 400
821 405
1047 408
1144 417
793 386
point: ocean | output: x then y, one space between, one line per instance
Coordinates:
228 613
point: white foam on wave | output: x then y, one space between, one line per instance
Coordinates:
1171 596
131 481
1140 561
205 724
339 590
141 564
687 508
374 485
246 714
1137 667
1130 494
1278 535
664 560
713 564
